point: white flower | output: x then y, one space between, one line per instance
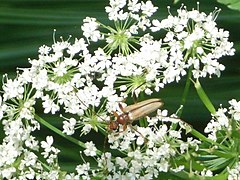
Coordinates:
44 50
32 143
83 169
140 140
49 105
40 80
47 145
207 173
134 6
178 169
183 147
135 168
148 8
212 127
175 134
114 10
220 121
68 126
163 166
30 159
60 69
8 172
148 91
50 152
27 111
79 45
156 25
89 28
12 88
200 50
58 47
86 129
53 174
221 117
234 173
235 109
90 150
121 162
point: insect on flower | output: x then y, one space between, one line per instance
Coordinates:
134 112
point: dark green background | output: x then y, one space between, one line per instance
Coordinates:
27 24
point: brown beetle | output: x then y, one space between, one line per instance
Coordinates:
134 112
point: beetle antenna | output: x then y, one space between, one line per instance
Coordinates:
134 92
121 107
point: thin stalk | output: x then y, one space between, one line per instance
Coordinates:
185 92
205 139
59 132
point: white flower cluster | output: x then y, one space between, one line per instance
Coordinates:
224 129
18 152
234 173
136 10
222 121
129 17
148 150
194 41
86 85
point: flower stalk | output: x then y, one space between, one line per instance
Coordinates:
185 92
59 132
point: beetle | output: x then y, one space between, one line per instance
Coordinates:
134 112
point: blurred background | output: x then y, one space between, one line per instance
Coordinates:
27 24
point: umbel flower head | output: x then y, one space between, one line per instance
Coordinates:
84 86
193 40
128 18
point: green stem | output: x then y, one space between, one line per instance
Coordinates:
203 96
205 139
143 122
59 132
185 92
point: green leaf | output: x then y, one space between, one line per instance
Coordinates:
232 4
203 96
217 177
175 1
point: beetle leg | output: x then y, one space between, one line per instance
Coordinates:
124 126
145 139
115 114
124 129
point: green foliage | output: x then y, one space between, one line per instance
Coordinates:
232 4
